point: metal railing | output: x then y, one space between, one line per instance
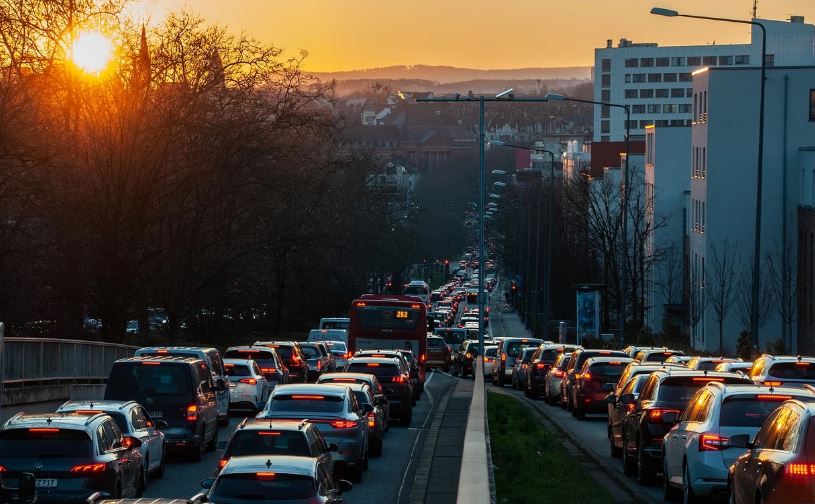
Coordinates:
30 361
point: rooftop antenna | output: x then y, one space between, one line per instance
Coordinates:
755 9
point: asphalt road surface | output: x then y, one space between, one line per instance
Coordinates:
389 478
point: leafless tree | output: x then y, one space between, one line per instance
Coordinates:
722 283
744 298
781 269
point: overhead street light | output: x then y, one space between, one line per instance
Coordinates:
495 196
499 184
498 172
754 299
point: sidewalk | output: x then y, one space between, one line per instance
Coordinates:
505 323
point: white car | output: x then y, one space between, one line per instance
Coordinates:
340 351
490 352
248 389
133 420
697 456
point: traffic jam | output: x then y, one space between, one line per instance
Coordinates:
702 428
315 414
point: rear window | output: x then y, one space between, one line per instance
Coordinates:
284 352
708 365
584 356
59 443
749 411
136 379
681 389
658 356
310 352
514 348
335 325
490 352
249 354
435 342
383 317
237 370
793 370
549 356
306 403
362 397
262 487
252 442
607 370
338 347
413 290
453 337
374 368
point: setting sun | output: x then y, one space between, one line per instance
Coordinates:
91 51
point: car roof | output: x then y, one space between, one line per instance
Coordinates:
250 347
356 387
101 405
278 343
271 424
285 464
356 376
789 358
169 359
307 388
179 348
66 420
751 388
678 371
621 360
380 360
245 362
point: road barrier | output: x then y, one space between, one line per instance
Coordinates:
474 477
42 369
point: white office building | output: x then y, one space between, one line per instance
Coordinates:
667 190
723 166
655 82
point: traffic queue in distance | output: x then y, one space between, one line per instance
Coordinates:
318 411
703 428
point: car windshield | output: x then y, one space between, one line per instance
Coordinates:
374 368
608 371
306 403
284 352
261 487
338 347
249 354
491 352
793 370
136 378
681 389
237 370
749 411
515 348
46 444
267 442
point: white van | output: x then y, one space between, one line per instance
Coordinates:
328 335
334 323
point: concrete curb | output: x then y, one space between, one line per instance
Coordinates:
474 478
421 478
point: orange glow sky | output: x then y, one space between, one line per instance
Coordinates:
356 34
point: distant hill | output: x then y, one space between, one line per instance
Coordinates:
449 74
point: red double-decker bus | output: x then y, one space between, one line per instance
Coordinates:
389 321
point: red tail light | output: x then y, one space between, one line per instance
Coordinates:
127 442
88 468
192 413
348 355
773 397
398 379
343 424
559 373
585 376
422 358
267 370
798 472
712 442
249 381
222 463
2 469
541 365
319 365
371 419
773 383
503 357
655 415
265 475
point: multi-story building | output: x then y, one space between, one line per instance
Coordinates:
723 163
656 84
667 186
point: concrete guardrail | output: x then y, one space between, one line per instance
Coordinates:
474 477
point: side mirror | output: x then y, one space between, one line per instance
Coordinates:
608 387
345 486
332 447
670 417
740 441
198 498
628 399
611 399
27 490
367 408
160 424
207 483
380 399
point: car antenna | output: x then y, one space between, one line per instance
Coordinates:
705 372
268 463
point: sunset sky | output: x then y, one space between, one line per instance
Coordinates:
356 34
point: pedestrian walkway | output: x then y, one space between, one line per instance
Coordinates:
504 321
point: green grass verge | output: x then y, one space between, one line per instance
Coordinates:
530 464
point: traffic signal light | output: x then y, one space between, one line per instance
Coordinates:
514 287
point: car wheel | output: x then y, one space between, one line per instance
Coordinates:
731 494
356 473
669 493
141 485
688 496
629 464
579 412
376 448
160 471
614 451
645 473
212 445
197 451
223 422
407 418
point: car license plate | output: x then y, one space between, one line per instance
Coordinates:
156 414
45 483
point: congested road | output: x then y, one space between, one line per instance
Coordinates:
389 478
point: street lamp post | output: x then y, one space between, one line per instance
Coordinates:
549 224
624 206
754 301
507 95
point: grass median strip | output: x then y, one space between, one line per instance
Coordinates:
529 462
